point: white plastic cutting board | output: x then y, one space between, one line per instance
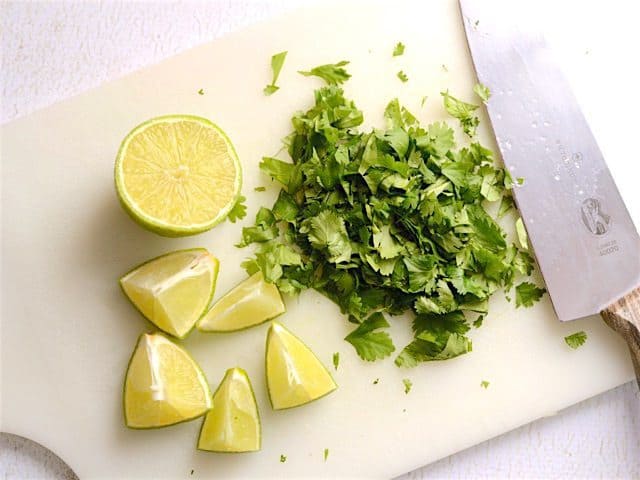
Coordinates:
67 331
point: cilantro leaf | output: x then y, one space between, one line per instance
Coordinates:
385 244
438 337
283 458
332 73
326 454
421 350
327 231
463 112
576 340
421 273
201 91
277 169
482 92
239 210
402 76
488 232
265 229
285 208
407 385
439 139
277 61
484 384
370 343
398 49
527 294
336 360
272 257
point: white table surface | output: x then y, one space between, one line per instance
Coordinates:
53 50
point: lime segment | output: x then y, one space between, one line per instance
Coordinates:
163 385
177 175
250 303
173 290
295 376
233 425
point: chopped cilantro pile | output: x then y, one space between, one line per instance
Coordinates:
389 221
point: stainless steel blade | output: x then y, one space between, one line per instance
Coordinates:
583 236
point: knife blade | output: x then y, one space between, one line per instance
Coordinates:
583 237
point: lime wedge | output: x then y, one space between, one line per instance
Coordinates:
249 303
172 291
163 385
177 175
233 425
295 376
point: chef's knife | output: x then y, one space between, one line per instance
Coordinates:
582 234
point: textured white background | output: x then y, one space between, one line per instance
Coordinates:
53 50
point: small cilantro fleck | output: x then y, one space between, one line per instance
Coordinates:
402 76
423 100
259 189
576 340
326 454
482 92
277 61
192 470
477 323
376 381
484 384
201 92
476 23
332 73
283 458
407 385
398 49
336 360
527 294
239 210
520 181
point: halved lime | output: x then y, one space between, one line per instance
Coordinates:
233 424
249 303
173 290
163 385
177 175
295 376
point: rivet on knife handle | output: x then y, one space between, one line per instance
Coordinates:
623 316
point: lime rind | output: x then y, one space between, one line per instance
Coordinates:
158 226
201 375
215 271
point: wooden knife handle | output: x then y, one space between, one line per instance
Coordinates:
624 317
